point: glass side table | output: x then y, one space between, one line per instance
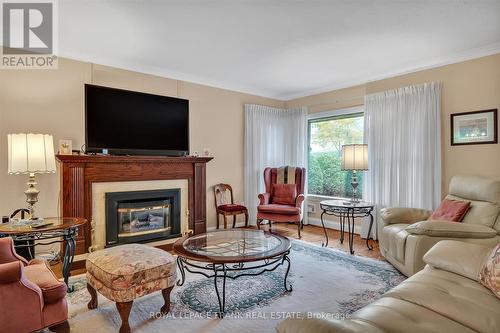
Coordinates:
347 212
57 230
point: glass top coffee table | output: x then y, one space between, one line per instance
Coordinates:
230 254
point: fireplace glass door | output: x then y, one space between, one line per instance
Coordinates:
142 218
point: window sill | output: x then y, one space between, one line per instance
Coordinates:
327 197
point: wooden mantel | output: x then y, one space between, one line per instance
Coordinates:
79 172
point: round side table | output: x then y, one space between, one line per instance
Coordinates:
347 212
57 230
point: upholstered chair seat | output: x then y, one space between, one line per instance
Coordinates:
231 208
40 274
278 209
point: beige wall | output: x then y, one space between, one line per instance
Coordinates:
333 100
52 101
467 86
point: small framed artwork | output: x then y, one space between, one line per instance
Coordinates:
473 128
65 147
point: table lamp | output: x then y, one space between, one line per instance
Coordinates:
31 154
355 158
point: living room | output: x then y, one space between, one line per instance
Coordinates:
283 166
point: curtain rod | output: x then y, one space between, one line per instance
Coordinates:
336 101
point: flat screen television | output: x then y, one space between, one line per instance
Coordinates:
122 122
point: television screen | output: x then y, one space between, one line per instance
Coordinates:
133 123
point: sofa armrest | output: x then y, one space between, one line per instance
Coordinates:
393 215
465 259
264 198
313 325
11 272
299 200
435 228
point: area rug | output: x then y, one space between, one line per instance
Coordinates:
325 282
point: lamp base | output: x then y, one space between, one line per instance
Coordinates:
354 184
31 195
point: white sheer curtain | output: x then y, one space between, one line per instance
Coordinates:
273 137
403 132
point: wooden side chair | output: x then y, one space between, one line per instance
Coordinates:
226 207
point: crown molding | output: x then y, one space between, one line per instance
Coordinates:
240 88
170 74
440 62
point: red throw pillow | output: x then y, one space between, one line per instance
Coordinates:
284 194
451 210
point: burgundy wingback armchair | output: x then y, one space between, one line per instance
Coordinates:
31 297
283 200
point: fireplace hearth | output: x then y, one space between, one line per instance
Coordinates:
142 216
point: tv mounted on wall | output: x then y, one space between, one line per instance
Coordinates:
123 122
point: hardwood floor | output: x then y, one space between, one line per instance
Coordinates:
310 233
314 234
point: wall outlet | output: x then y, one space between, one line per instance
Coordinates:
311 208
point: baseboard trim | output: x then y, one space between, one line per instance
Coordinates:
332 225
311 221
229 226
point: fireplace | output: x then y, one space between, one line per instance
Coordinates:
142 216
85 180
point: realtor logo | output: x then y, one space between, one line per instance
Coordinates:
28 32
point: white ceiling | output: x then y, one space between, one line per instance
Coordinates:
279 49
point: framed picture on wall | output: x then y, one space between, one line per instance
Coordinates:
472 128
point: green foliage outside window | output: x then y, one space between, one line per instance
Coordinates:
326 137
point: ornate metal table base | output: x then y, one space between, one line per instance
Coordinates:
232 271
42 238
347 213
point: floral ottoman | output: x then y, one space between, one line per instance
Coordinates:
126 272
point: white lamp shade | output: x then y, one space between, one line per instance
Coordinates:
355 157
31 153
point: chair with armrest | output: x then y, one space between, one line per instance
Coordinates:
31 297
284 196
406 234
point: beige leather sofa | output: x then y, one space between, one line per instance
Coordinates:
444 297
405 235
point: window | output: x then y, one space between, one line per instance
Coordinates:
326 137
